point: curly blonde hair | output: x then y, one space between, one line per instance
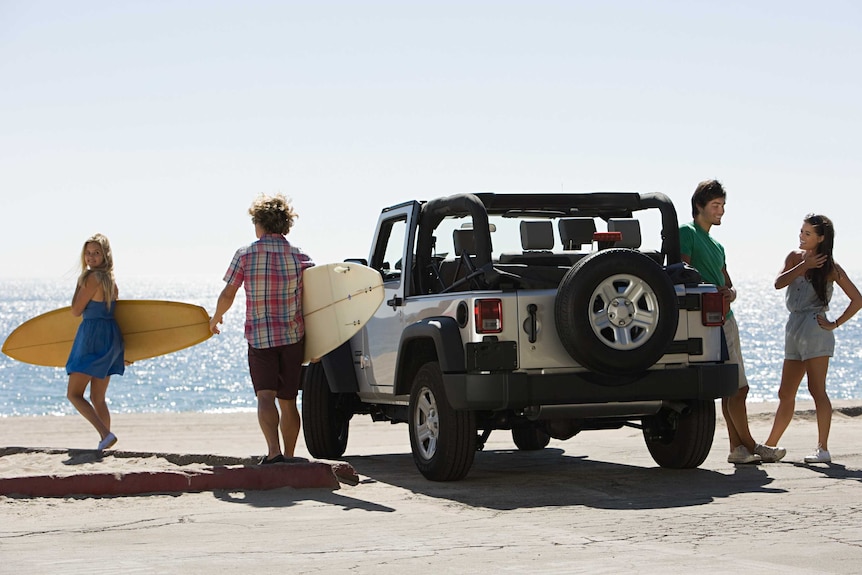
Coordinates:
105 273
273 213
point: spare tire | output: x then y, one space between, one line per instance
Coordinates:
616 312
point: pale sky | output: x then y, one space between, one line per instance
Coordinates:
157 123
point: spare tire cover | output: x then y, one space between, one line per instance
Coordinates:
616 312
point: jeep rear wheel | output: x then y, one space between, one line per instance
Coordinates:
442 439
681 440
325 426
616 312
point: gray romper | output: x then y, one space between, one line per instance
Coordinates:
803 336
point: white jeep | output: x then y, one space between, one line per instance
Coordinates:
539 313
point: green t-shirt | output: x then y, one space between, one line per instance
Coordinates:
704 252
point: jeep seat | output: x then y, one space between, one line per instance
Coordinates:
631 231
465 248
537 241
576 232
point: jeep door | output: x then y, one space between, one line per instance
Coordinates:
376 346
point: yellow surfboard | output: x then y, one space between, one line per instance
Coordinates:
149 327
337 301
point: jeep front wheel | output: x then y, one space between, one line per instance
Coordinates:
681 439
443 440
325 425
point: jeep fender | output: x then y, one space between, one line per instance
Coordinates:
421 342
339 370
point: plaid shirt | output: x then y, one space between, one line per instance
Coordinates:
271 270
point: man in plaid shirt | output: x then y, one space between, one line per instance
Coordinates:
271 271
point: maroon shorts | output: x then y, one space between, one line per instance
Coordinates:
277 369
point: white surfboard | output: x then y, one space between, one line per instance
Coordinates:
337 300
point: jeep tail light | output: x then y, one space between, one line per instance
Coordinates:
488 314
712 309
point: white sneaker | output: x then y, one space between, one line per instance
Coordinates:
769 454
819 456
742 455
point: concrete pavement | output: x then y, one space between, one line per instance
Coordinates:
593 504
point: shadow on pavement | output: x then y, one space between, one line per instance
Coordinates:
506 480
289 497
832 470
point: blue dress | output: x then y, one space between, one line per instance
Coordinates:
98 347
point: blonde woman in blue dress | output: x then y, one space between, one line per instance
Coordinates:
809 274
98 351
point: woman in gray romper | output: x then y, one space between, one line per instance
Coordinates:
809 274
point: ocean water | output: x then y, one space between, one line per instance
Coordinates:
209 377
213 376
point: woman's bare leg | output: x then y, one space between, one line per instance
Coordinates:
75 393
817 368
791 377
98 390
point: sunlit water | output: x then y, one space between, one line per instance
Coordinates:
209 377
213 376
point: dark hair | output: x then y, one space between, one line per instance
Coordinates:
819 276
705 192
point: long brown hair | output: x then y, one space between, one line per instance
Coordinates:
820 276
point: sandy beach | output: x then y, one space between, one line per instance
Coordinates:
596 503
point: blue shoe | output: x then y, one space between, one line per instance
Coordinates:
109 441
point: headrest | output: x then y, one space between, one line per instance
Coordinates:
464 242
537 235
631 230
574 232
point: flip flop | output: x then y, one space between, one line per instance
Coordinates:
277 459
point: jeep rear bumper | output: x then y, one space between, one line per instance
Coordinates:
517 390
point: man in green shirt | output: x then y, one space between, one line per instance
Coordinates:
702 251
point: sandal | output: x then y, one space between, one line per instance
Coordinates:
277 459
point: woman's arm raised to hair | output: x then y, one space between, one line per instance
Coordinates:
795 265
